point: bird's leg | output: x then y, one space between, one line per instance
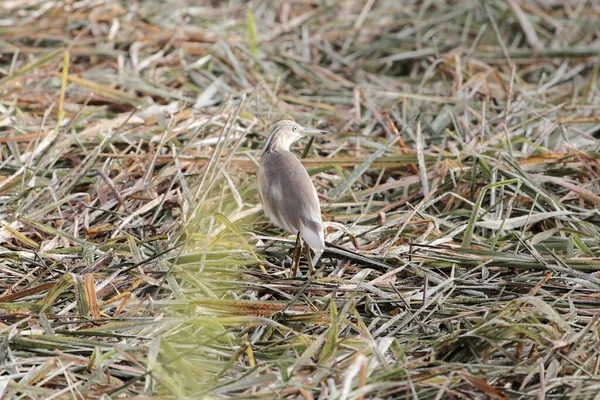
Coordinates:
297 254
311 269
313 262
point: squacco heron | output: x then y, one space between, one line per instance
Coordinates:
287 193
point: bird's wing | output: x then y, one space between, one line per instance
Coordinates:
289 197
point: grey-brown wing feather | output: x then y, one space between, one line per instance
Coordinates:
289 197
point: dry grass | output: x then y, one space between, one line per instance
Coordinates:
463 175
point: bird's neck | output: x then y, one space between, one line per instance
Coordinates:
277 143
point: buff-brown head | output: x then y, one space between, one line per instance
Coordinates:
284 133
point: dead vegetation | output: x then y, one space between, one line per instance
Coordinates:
463 172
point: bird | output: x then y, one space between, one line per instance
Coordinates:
287 193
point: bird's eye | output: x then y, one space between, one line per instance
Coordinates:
295 129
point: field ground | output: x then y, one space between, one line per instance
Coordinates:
463 175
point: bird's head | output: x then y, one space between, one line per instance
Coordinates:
285 132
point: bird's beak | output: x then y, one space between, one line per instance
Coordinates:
314 132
